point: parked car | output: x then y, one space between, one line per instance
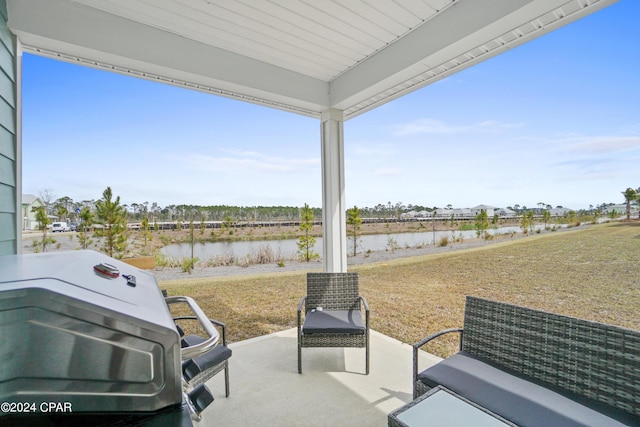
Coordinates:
60 227
73 226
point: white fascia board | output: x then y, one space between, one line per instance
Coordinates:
76 31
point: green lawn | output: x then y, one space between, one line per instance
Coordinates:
590 273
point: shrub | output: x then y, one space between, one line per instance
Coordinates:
219 261
444 241
188 264
160 260
264 255
392 244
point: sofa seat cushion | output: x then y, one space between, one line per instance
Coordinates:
333 321
519 399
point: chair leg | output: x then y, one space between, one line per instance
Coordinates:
367 356
226 378
299 358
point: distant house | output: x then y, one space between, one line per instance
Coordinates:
444 213
463 213
29 202
559 211
505 213
621 209
409 215
490 210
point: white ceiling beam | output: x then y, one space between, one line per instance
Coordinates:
457 30
409 56
129 45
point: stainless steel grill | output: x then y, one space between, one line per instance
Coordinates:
95 341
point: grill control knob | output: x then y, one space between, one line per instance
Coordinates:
200 398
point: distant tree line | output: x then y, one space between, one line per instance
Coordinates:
112 217
66 209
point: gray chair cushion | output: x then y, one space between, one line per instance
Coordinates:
518 399
190 340
330 321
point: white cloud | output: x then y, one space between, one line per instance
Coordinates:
387 172
239 153
603 144
371 149
248 161
427 126
439 127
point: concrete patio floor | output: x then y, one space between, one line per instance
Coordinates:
333 390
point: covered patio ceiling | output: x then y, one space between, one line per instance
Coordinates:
302 56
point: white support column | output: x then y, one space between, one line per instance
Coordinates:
334 227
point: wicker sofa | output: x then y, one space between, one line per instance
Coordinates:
535 368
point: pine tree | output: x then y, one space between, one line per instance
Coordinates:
43 225
306 241
482 223
111 216
354 220
87 219
546 216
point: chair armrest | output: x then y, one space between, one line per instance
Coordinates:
436 335
222 325
419 344
366 311
301 304
364 302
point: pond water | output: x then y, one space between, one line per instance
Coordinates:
287 248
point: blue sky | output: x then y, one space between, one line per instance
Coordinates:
556 120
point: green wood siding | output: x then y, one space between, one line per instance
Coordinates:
7 174
6 192
7 144
6 247
7 116
9 237
7 87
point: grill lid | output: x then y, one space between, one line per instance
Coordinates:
73 334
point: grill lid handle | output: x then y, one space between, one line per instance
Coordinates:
198 349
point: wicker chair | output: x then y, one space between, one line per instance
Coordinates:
200 369
333 314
